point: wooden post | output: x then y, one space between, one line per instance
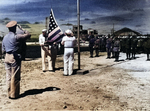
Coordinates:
46 24
78 14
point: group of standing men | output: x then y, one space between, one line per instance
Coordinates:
113 48
50 50
12 49
12 42
97 44
114 45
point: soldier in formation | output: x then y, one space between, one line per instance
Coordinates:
112 46
146 46
97 46
108 46
91 43
128 47
134 46
116 49
103 43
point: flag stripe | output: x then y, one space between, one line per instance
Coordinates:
55 33
51 33
55 37
60 38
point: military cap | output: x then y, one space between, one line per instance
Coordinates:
68 32
44 30
11 24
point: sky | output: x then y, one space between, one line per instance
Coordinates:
101 15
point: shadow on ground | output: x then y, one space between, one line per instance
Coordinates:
38 91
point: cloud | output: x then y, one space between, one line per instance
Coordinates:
98 12
16 2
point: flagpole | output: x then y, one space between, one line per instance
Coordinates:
78 14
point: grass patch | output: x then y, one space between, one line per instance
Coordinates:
35 30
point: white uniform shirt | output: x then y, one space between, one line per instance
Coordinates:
69 42
41 39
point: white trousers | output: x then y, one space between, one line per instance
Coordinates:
50 54
68 61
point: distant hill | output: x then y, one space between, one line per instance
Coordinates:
68 24
24 22
25 26
6 20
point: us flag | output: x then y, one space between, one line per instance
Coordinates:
55 33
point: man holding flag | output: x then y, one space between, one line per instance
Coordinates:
54 38
44 50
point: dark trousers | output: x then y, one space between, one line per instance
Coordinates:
108 52
133 52
91 51
97 51
147 50
116 56
147 56
128 51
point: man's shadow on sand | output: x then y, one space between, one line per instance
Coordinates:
38 91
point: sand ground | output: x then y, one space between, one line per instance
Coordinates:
107 87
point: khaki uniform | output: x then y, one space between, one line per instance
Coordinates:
10 45
12 67
49 52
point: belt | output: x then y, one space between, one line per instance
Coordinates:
10 52
68 47
45 45
14 53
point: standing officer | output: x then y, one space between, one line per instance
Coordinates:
146 46
134 42
97 46
108 46
10 46
69 42
128 47
116 49
91 43
112 46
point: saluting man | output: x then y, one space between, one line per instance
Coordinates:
10 47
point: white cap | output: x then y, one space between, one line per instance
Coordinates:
44 30
68 31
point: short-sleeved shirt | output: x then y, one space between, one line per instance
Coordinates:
69 42
11 41
41 39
